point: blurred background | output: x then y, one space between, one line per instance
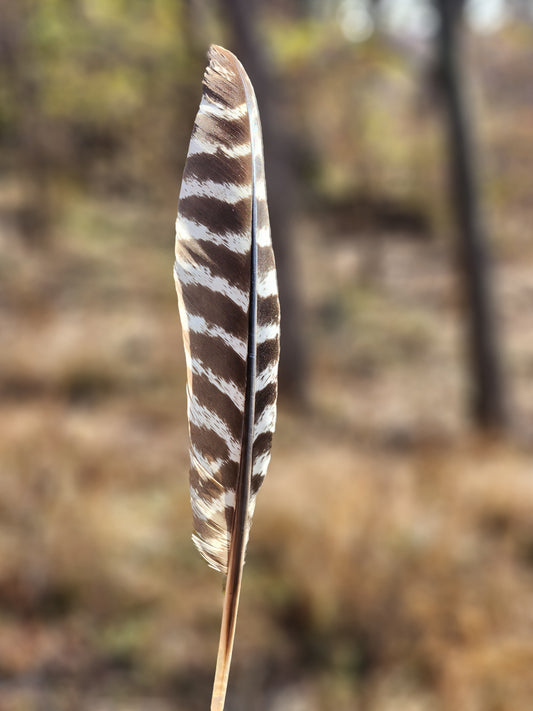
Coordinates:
390 565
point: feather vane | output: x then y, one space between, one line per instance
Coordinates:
228 301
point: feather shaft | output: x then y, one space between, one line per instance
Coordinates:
238 538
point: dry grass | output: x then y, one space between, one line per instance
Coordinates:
391 560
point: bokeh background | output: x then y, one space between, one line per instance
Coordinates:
390 565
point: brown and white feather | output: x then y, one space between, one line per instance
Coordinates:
228 301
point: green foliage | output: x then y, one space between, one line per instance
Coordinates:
98 78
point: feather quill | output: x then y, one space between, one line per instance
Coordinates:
228 301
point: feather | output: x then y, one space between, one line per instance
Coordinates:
228 301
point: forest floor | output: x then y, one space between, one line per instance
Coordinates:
391 560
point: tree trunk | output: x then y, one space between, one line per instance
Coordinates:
280 187
35 215
488 401
22 88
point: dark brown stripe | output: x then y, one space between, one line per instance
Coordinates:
267 310
229 132
262 444
203 530
215 354
221 405
255 485
218 216
267 353
265 259
264 398
215 308
213 446
262 213
221 95
229 513
227 477
208 443
215 78
218 167
206 489
229 473
224 262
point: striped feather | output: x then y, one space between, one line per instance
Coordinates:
228 300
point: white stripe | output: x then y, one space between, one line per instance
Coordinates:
207 470
227 499
266 421
184 325
227 387
267 284
189 273
267 332
207 510
219 69
209 106
202 146
198 324
263 236
228 192
267 376
261 464
201 416
200 507
260 190
214 550
251 508
188 230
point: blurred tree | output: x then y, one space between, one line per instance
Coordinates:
488 396
94 96
23 120
242 15
523 9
